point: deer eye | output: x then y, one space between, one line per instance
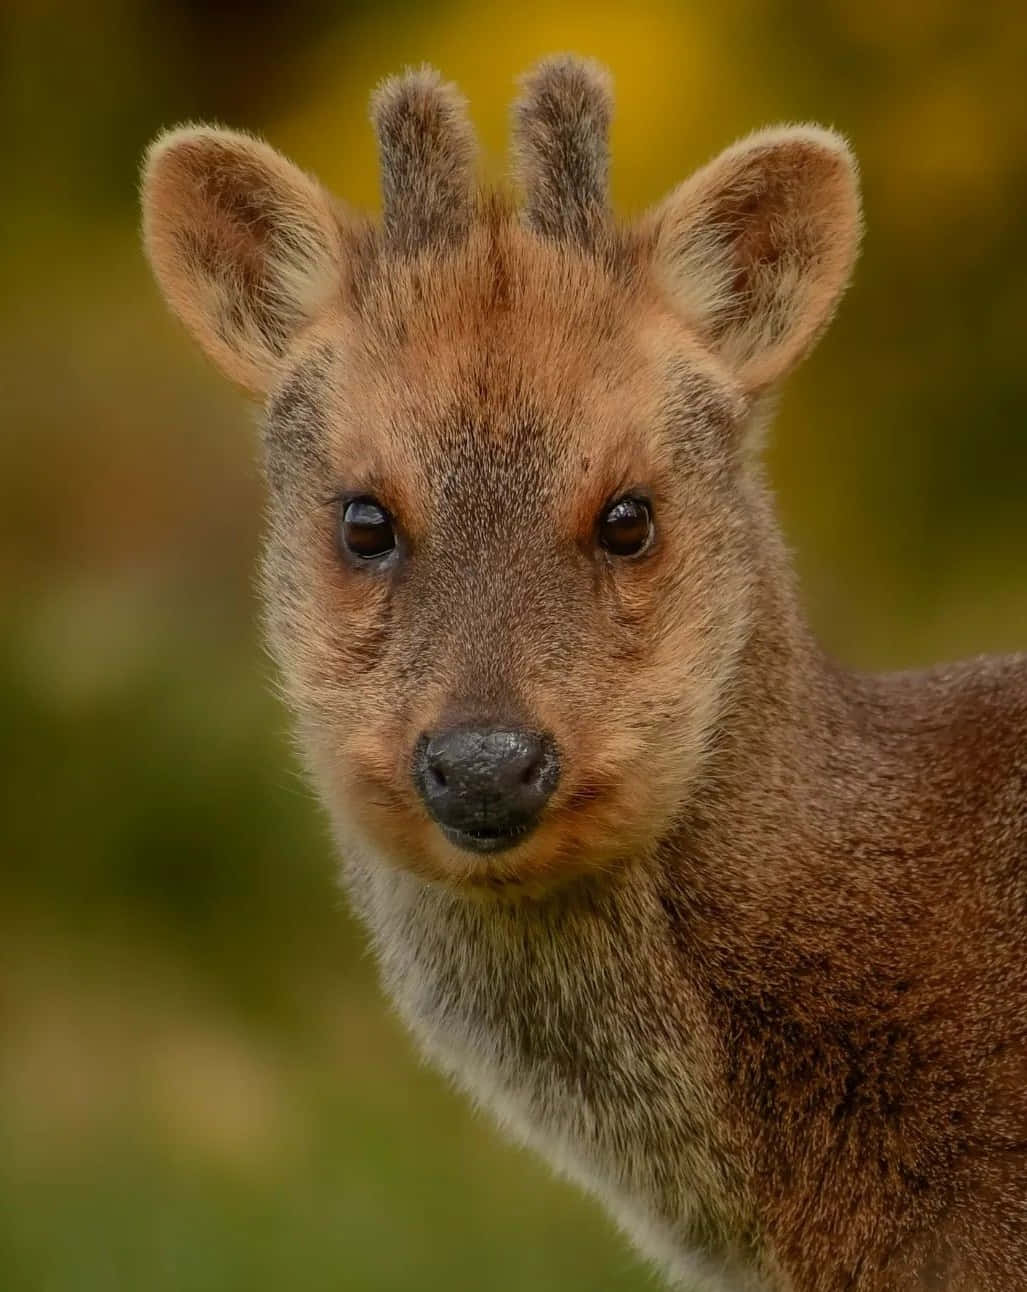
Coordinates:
366 529
626 527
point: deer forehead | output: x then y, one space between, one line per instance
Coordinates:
511 354
497 417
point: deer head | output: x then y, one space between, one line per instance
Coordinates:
517 535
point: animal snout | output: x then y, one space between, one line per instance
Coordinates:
486 786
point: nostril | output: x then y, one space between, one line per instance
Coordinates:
539 771
532 771
430 770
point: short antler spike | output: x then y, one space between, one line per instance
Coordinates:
427 153
561 126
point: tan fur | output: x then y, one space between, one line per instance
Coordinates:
758 979
246 248
757 247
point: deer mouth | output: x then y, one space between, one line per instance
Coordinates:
486 839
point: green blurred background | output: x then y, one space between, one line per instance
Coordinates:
200 1087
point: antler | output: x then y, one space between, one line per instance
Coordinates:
427 153
561 127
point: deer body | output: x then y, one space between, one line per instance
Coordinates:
733 937
811 1008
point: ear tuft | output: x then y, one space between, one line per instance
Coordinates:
756 249
427 158
245 247
561 126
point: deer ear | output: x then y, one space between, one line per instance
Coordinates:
245 247
756 248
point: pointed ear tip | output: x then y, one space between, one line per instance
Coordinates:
189 132
164 144
808 137
171 146
823 155
157 168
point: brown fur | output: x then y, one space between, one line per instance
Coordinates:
561 123
759 978
427 151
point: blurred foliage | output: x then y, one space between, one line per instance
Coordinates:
199 1085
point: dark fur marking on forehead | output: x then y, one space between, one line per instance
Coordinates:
427 155
492 556
294 427
561 152
695 400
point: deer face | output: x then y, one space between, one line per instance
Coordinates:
512 552
508 586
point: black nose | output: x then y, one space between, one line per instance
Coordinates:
486 786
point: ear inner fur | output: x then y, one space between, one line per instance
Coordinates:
756 249
246 247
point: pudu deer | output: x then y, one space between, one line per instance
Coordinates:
733 936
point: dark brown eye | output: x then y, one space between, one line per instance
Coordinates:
626 527
366 529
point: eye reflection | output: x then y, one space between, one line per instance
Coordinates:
626 527
366 529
